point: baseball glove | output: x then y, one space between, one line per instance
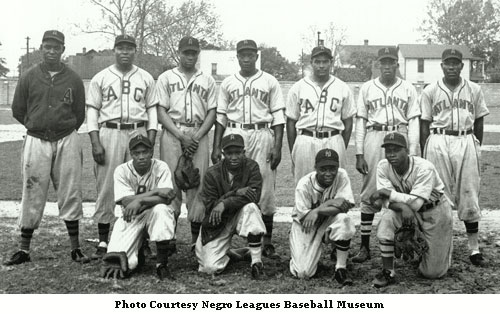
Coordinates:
408 242
114 265
185 174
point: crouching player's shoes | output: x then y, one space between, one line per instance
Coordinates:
477 259
79 257
383 279
342 277
19 257
269 252
362 256
257 270
163 272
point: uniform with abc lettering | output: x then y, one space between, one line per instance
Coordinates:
187 103
434 218
118 98
455 157
318 109
306 248
159 220
256 100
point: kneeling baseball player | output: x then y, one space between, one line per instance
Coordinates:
417 218
322 199
143 187
230 193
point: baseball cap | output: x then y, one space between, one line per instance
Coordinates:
54 34
246 44
388 52
232 140
451 54
189 43
395 138
326 157
139 139
125 39
321 50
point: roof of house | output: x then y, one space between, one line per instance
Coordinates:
431 51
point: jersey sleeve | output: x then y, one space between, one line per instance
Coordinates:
292 109
164 178
303 200
94 94
151 98
361 111
480 105
413 105
122 187
162 91
20 101
424 183
348 105
383 181
426 104
212 95
277 103
222 104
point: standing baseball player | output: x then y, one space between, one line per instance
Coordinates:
187 112
121 103
322 199
143 188
411 190
50 102
453 110
385 104
319 112
231 190
251 104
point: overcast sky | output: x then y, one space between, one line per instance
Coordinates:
279 23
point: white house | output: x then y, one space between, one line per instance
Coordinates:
220 63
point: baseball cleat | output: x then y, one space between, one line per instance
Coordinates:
163 272
257 270
342 277
19 257
362 256
383 279
99 253
269 252
477 259
79 257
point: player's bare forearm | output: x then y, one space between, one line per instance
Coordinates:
94 138
206 125
278 135
152 136
291 132
424 133
98 152
479 129
216 149
346 134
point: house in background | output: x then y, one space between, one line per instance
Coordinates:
220 63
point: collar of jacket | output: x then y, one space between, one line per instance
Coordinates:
43 68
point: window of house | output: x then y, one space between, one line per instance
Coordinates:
214 68
420 65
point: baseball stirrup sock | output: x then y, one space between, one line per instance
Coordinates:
195 231
387 248
26 235
342 253
268 222
103 230
73 232
255 247
366 229
163 249
473 236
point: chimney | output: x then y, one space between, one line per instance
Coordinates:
429 41
84 50
366 42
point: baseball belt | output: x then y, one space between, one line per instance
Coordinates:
389 128
188 124
249 126
319 134
428 206
451 132
124 126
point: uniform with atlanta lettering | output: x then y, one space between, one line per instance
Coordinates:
306 248
187 103
159 221
256 101
385 109
456 157
319 113
434 217
118 98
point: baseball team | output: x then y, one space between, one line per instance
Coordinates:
124 107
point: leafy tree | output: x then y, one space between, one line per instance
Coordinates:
277 65
363 61
3 69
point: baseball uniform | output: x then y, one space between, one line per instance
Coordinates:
434 217
452 146
319 113
160 220
306 248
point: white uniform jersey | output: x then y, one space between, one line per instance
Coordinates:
123 97
453 110
389 106
320 109
421 179
186 101
309 194
128 182
256 99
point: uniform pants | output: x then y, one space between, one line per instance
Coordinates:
42 161
212 256
116 152
306 248
170 151
128 236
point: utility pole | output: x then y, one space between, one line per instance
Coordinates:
319 40
27 55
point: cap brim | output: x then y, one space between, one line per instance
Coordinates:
322 53
141 143
387 57
326 163
233 145
53 38
247 48
452 57
125 42
395 144
189 48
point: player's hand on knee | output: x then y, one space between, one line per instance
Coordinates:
248 192
114 265
216 214
309 221
131 210
361 164
216 155
98 153
407 215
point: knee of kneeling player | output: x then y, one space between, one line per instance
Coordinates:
251 208
432 273
162 210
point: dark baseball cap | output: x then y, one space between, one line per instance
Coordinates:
54 34
232 140
326 157
387 53
451 54
139 139
246 44
120 39
321 50
395 138
189 43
